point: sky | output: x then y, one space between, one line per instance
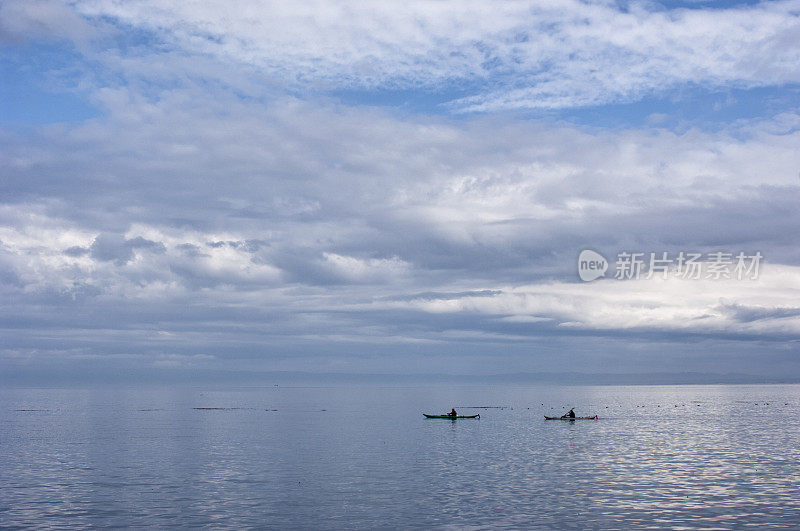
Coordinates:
215 187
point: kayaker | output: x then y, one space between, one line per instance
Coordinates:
569 415
453 413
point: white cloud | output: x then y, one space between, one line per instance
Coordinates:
664 305
380 270
518 54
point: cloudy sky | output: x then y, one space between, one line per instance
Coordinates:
396 187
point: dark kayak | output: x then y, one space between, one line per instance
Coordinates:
451 416
570 418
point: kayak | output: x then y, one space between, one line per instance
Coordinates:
570 418
451 416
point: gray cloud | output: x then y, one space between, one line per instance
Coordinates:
107 247
76 251
748 314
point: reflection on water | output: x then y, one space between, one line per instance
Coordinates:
693 456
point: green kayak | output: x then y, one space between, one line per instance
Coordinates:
570 418
451 417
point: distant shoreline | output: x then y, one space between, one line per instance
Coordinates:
267 379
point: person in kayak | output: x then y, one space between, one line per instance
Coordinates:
453 413
569 415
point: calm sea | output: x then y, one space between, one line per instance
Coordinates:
711 457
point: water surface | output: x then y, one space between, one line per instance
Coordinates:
364 457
